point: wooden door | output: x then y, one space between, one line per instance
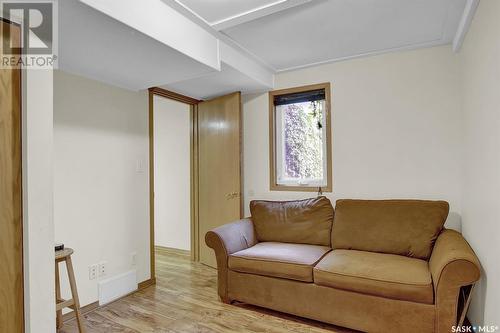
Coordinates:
219 167
11 241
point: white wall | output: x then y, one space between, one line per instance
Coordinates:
480 63
172 173
37 202
101 193
396 128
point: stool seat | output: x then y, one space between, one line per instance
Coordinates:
62 254
73 303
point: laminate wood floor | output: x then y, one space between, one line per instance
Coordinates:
185 300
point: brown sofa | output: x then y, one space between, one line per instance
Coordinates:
377 266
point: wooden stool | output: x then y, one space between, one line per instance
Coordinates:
73 303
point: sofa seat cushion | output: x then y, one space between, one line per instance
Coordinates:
387 275
283 260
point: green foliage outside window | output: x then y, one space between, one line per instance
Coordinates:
303 140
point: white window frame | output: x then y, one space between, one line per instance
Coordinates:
277 151
281 154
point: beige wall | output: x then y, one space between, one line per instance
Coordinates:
101 185
172 174
480 64
38 223
417 124
396 128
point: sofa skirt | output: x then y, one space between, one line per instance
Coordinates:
353 310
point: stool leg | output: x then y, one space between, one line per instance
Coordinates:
74 293
59 320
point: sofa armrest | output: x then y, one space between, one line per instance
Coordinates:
226 240
453 264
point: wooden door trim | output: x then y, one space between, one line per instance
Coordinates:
194 182
242 158
151 187
20 153
193 103
174 96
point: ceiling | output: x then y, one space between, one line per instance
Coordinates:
319 31
205 48
95 45
216 84
214 11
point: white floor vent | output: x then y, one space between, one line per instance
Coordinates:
117 286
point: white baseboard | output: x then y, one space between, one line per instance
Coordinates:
117 286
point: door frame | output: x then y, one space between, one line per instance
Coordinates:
193 129
21 97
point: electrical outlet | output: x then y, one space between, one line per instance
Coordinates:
103 268
133 258
93 272
139 166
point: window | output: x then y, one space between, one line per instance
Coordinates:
300 139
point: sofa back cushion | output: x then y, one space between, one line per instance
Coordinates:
302 221
404 227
